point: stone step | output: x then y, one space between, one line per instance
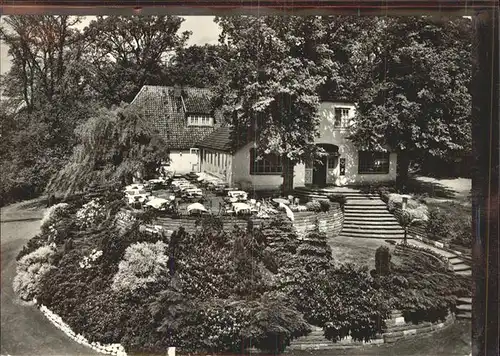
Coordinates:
371 214
464 307
372 231
371 222
453 259
464 300
365 208
464 315
364 226
371 236
464 273
461 267
367 202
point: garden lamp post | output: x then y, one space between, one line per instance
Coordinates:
405 218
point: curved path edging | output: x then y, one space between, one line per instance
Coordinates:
56 320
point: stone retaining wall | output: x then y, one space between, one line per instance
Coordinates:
330 222
397 329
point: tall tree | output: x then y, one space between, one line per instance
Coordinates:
112 146
198 66
45 52
414 89
123 53
47 99
272 80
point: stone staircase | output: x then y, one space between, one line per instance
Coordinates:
365 215
460 265
464 308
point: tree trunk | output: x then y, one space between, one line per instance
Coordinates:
287 186
402 169
485 180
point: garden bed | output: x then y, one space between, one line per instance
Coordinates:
211 290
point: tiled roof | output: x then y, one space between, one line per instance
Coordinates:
219 140
197 101
166 111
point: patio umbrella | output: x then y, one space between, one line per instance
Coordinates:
157 202
196 206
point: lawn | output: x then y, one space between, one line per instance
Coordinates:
454 340
356 250
457 189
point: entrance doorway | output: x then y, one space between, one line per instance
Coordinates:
319 172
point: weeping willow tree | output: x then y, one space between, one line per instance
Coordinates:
113 146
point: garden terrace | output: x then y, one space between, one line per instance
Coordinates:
192 290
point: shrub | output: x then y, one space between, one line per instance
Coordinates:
33 244
54 213
340 199
325 205
344 301
422 289
272 324
383 260
30 271
143 264
314 252
314 206
396 201
90 214
451 222
210 223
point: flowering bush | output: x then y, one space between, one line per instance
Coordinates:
30 271
313 206
298 208
88 260
55 212
143 264
396 201
91 214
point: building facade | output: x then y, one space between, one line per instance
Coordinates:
183 117
341 163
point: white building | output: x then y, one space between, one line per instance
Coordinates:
184 117
343 165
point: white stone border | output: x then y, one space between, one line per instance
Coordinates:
111 349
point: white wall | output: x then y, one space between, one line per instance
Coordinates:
337 136
182 161
241 173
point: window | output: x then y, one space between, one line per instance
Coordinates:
341 116
373 163
200 120
332 162
269 164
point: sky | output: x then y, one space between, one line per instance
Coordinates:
203 29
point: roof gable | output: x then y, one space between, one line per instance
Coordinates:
166 107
